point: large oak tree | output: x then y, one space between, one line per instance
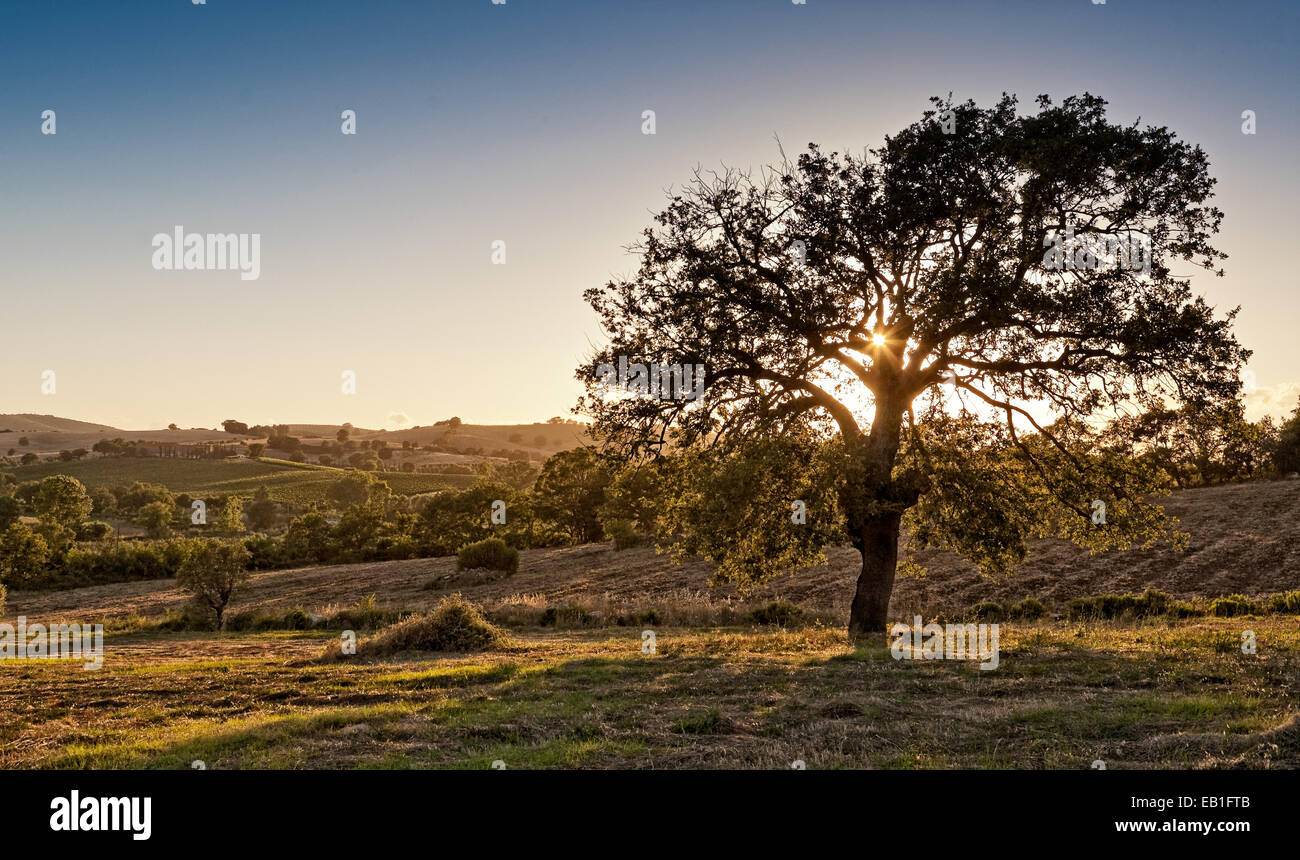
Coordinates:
840 291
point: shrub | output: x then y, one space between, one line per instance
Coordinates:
1111 606
264 552
191 617
1028 609
778 613
988 611
456 625
366 615
623 532
292 619
1288 602
1232 605
565 616
639 619
492 554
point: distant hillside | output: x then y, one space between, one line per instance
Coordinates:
28 423
48 434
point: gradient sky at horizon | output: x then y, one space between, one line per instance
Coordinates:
519 122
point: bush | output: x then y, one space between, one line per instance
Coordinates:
1287 602
648 618
366 615
125 561
292 619
566 616
623 532
1232 605
988 611
492 554
778 613
191 617
1111 606
1028 609
456 625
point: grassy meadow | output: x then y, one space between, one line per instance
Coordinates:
1159 694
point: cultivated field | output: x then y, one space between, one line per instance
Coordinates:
295 483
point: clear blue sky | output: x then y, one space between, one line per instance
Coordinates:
519 122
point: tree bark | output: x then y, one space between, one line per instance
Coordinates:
879 547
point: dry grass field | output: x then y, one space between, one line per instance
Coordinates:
1064 696
719 691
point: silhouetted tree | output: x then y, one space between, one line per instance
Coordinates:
839 293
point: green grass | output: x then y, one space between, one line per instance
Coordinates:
1144 695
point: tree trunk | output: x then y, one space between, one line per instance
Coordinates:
879 547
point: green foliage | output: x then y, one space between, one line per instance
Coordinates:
23 556
139 494
156 519
213 572
62 502
1287 602
453 519
262 513
231 518
1149 604
990 493
737 507
632 503
308 539
359 488
122 561
571 490
490 554
623 532
1232 606
10 511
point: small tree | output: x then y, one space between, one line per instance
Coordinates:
61 504
263 511
232 515
255 450
156 519
570 490
213 572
